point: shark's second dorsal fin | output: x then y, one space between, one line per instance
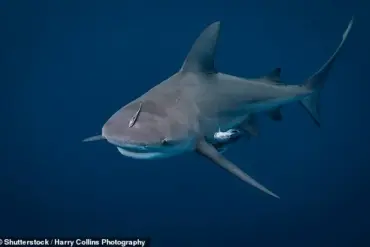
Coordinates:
274 75
201 56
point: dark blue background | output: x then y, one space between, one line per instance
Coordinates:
66 66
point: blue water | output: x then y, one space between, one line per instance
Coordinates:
67 66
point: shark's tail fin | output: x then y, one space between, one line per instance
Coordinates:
312 105
316 81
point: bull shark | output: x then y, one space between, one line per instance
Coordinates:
179 114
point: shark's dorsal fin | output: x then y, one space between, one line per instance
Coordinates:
274 75
202 53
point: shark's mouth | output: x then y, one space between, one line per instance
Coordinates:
145 151
141 154
136 151
135 148
140 151
132 147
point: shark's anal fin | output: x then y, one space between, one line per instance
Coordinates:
275 114
201 56
208 151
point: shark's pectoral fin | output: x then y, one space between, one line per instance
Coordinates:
275 114
211 153
94 138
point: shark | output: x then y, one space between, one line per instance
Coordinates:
185 110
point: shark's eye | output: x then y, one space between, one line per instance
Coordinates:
166 142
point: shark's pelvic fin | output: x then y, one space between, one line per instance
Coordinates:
316 81
250 125
94 138
201 56
274 75
208 151
275 114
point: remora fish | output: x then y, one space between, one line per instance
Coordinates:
177 115
221 140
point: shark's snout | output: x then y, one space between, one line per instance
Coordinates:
146 130
148 136
120 134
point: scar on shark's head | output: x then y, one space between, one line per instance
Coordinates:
134 117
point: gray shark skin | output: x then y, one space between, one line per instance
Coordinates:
250 127
180 113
